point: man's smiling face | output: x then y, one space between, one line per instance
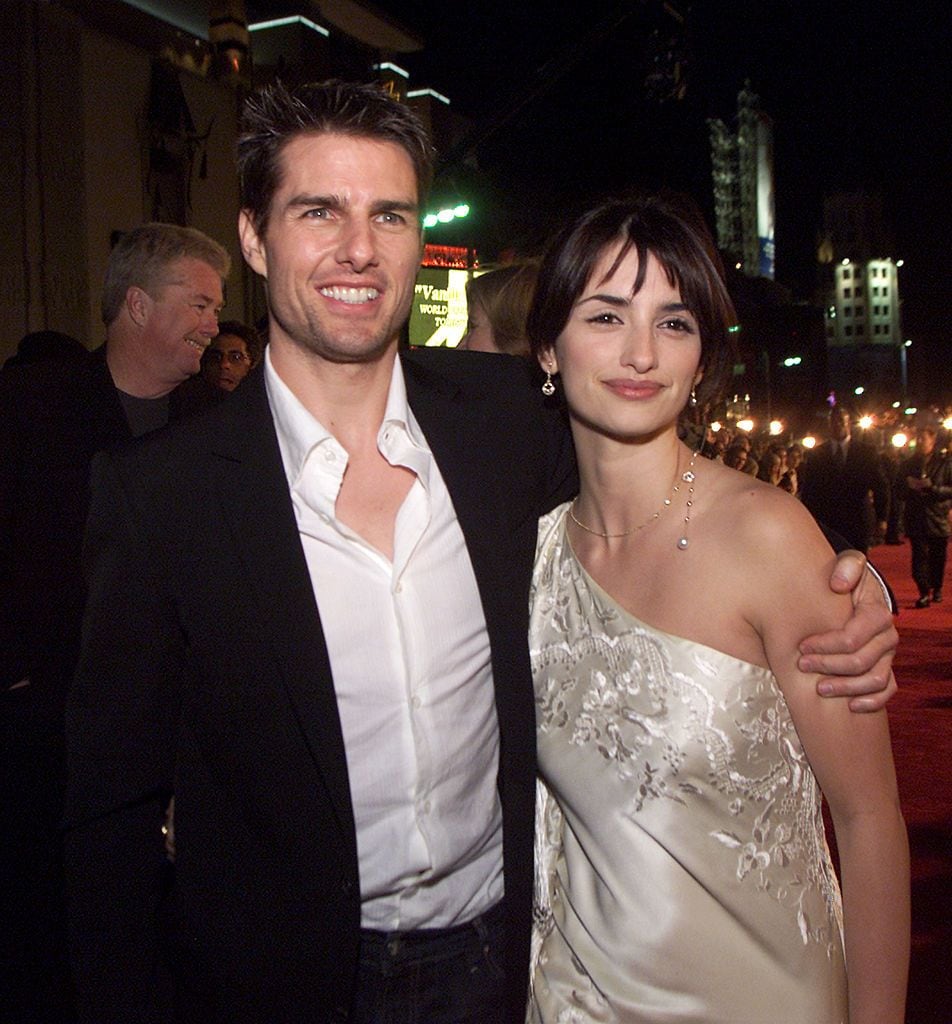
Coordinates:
341 248
183 319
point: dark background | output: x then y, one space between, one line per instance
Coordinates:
565 109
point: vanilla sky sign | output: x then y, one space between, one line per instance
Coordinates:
438 316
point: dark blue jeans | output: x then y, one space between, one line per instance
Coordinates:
432 976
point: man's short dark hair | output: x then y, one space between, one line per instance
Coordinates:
248 335
276 114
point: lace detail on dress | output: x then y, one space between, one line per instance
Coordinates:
676 726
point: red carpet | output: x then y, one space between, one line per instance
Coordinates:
921 723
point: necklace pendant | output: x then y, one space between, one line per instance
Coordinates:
682 544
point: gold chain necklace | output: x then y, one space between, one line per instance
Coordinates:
686 477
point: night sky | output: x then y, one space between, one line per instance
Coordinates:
860 95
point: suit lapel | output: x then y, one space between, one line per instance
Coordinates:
456 433
256 502
460 430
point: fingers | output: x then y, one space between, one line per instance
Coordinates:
869 692
848 571
861 642
876 701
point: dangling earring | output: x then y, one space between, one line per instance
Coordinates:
548 388
693 399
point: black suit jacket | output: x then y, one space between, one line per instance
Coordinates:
204 672
54 417
846 497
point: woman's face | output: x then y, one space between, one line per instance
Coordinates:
227 362
628 362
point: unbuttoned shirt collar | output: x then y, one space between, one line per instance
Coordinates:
301 437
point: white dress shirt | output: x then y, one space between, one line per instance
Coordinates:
410 658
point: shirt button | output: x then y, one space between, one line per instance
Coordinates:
426 806
416 702
330 456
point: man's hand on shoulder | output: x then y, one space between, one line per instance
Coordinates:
856 661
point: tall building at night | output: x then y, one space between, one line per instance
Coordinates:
742 167
860 294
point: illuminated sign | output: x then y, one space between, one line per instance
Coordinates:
438 314
455 257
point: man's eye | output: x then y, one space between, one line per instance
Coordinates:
317 213
392 218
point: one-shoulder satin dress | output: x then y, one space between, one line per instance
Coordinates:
682 869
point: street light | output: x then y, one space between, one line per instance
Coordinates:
446 215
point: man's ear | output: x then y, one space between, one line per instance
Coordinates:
138 304
252 246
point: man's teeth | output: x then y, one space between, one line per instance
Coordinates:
199 345
350 295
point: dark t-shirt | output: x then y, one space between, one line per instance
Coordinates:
144 414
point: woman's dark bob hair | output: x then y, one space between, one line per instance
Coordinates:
666 226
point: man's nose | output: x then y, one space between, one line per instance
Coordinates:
356 244
209 325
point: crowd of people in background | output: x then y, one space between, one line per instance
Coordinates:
866 489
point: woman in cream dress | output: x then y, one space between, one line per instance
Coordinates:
683 873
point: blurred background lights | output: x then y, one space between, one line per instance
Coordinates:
445 215
809 441
899 439
716 427
865 422
792 361
746 425
859 391
775 428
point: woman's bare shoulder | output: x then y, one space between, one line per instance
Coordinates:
755 515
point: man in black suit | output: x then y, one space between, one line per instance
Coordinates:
161 293
844 484
307 621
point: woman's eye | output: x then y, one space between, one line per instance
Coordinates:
678 324
604 318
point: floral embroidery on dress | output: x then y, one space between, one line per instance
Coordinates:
611 686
